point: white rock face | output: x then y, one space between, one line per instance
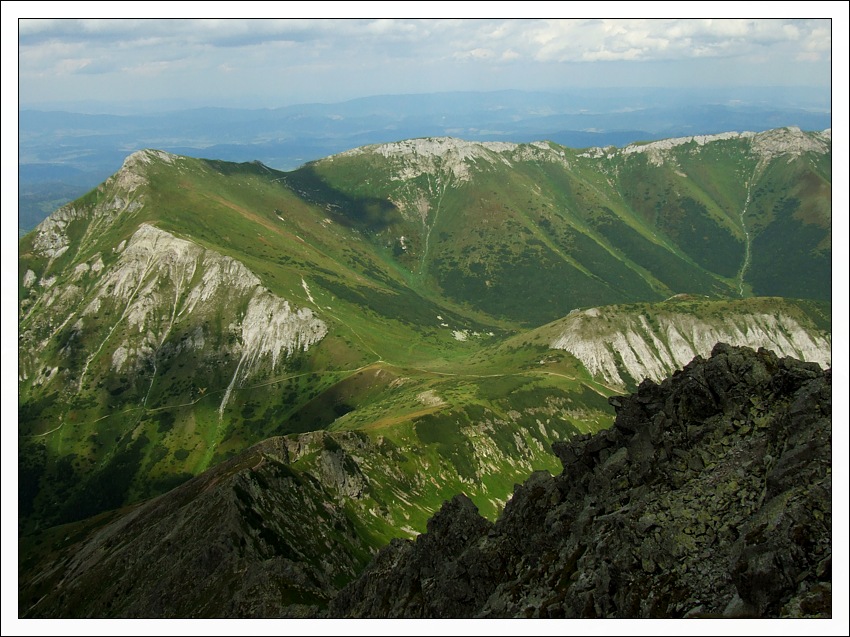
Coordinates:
272 328
118 197
29 279
157 271
451 157
790 141
132 172
435 156
158 282
767 145
51 234
600 336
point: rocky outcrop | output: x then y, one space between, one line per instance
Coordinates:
766 145
160 282
452 158
710 496
621 347
120 195
426 578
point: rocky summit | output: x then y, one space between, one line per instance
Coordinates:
709 497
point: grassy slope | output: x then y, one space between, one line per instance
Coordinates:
509 250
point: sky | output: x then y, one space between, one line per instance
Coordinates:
276 62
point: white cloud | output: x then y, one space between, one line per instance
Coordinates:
392 55
475 54
649 39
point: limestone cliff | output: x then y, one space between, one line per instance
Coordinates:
159 286
621 346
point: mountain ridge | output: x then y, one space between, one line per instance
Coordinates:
188 309
656 343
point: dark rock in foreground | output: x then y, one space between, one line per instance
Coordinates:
710 496
249 538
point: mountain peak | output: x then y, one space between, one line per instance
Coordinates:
434 147
132 172
452 156
434 155
146 156
790 141
118 195
767 144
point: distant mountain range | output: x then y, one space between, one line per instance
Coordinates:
391 325
65 154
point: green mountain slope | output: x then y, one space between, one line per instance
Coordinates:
529 232
187 309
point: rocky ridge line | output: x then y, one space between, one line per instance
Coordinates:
450 157
157 282
767 144
710 496
620 347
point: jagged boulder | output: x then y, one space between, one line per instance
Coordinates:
710 496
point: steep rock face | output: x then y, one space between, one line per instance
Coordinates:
124 326
159 285
420 579
120 198
625 347
710 496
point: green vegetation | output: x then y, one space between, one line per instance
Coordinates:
436 293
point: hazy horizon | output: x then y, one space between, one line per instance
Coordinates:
814 99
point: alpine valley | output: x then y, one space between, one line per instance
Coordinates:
237 384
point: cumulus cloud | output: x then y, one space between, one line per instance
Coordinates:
541 40
651 39
425 55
